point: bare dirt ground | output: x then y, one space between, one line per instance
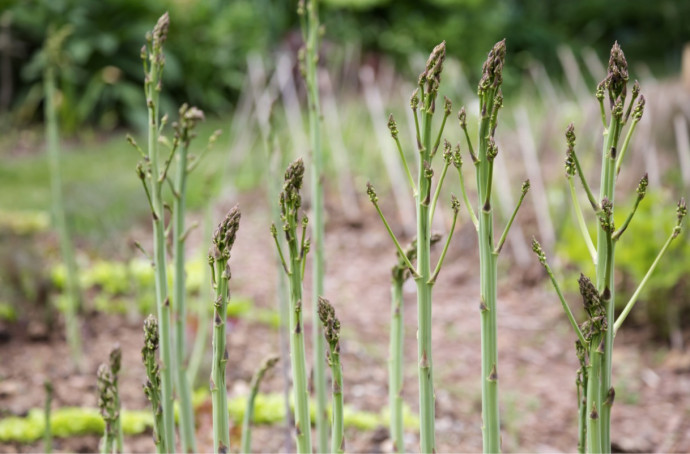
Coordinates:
537 362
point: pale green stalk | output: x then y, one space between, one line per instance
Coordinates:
429 82
154 60
219 256
310 31
115 364
290 202
249 410
52 49
47 433
183 136
395 363
107 401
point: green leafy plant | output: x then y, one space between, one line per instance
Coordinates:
290 203
490 103
596 335
423 103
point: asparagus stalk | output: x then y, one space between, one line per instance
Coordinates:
107 403
249 411
47 432
153 175
184 133
115 364
53 51
219 256
331 331
152 387
423 101
311 34
290 203
490 102
595 393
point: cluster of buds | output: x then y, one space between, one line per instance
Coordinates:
492 70
189 118
107 395
570 167
594 306
606 216
331 324
681 212
148 355
430 78
225 234
617 78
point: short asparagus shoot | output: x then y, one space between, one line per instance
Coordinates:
249 411
290 203
219 256
107 405
331 331
152 387
115 364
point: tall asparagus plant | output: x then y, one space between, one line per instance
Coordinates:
219 256
186 162
595 336
331 331
153 174
490 102
53 56
290 203
423 103
309 20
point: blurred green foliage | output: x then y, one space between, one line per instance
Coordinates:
101 76
209 42
664 300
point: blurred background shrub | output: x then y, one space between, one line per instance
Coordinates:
210 40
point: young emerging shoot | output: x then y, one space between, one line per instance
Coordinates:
249 411
107 404
152 387
331 331
290 203
115 364
47 433
219 256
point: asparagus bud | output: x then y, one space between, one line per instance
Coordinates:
160 32
447 106
642 186
639 109
492 70
617 77
462 118
372 193
414 100
393 126
681 212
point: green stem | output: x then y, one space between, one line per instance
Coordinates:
337 439
582 413
395 240
504 235
626 143
249 410
605 267
186 414
426 384
581 221
161 280
60 218
407 168
219 396
439 264
395 367
317 194
298 356
437 192
633 299
593 406
466 199
491 427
